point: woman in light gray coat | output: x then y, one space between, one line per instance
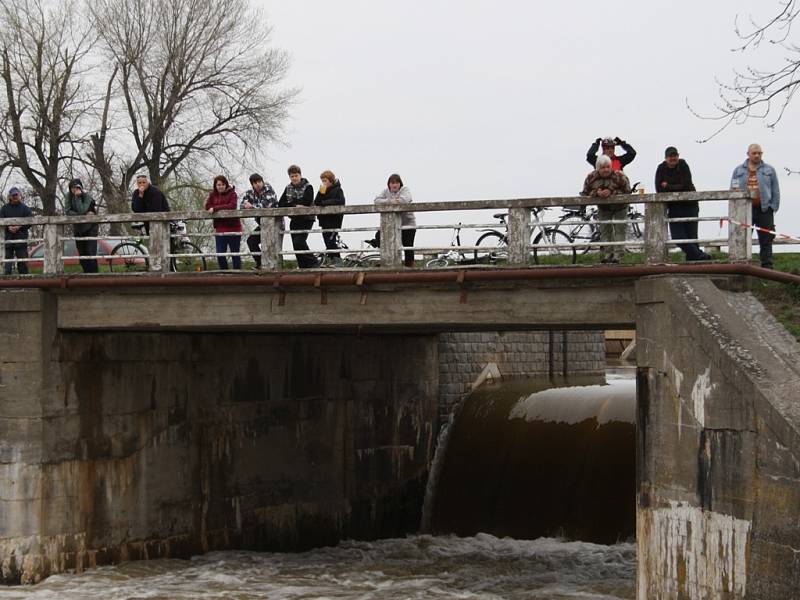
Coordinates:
397 193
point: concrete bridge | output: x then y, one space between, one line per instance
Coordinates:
164 415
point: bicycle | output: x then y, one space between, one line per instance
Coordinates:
581 224
132 255
365 257
453 256
547 242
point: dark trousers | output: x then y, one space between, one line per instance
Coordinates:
254 245
228 242
299 242
765 219
407 237
686 230
331 222
87 248
16 251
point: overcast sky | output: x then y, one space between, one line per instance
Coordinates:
478 99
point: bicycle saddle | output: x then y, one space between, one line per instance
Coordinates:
500 216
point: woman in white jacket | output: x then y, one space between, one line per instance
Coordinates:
397 193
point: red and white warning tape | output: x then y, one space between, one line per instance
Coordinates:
784 236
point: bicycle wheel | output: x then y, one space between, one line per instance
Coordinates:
552 255
581 230
634 232
127 257
187 264
436 263
496 247
370 261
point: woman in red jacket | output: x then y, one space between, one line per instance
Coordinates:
223 197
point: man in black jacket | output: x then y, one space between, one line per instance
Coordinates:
299 193
609 149
16 209
673 175
147 198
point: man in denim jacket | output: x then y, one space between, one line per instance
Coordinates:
757 176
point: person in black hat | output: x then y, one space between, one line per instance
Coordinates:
15 209
674 175
260 195
77 203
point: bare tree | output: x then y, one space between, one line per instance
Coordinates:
43 47
192 84
756 93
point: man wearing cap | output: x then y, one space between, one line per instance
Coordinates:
605 182
147 198
15 209
762 181
78 203
609 149
674 175
260 195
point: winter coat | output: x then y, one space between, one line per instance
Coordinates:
401 196
16 211
617 162
153 200
298 195
332 196
617 182
227 200
267 198
767 184
679 179
76 206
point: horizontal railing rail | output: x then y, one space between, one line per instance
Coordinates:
525 228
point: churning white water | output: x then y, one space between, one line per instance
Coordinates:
414 567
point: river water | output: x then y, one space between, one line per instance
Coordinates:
424 566
421 566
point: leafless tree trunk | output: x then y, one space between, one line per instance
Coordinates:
757 93
195 84
43 45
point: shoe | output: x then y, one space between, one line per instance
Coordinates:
336 262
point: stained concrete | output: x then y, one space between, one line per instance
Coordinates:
140 445
718 445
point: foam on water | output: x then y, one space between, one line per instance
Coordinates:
422 566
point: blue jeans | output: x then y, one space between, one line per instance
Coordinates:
230 241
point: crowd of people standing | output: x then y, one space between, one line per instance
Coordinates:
607 179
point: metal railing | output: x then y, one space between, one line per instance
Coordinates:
517 244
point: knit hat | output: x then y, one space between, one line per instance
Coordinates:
14 191
75 183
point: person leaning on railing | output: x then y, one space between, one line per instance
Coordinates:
147 198
299 192
223 197
77 203
16 209
330 194
260 195
605 182
397 193
674 175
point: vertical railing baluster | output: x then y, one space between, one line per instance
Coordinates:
740 239
390 239
53 250
519 233
271 243
159 246
655 232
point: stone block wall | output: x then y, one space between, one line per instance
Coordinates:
463 356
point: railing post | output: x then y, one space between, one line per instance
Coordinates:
519 233
271 243
740 239
655 232
53 250
390 240
159 246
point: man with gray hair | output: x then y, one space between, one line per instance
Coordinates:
147 198
762 181
605 182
